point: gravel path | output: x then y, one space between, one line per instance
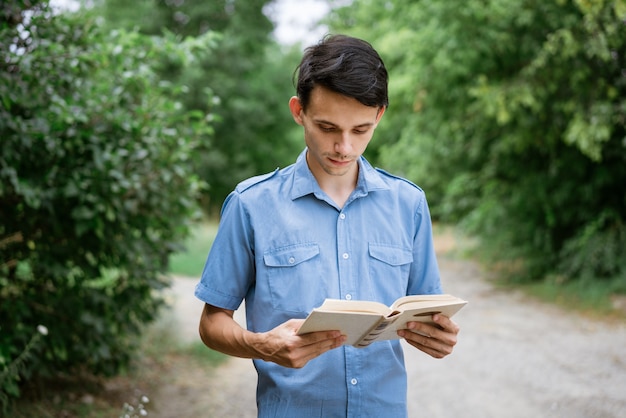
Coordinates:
516 357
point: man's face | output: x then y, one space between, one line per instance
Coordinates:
337 130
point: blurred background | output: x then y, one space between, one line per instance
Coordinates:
125 124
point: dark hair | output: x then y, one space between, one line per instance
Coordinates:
345 65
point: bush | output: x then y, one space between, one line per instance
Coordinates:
96 188
599 249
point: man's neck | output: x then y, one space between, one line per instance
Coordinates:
338 188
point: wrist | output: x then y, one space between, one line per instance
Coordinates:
256 344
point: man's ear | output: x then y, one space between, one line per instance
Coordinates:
380 114
296 109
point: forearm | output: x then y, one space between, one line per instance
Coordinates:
219 331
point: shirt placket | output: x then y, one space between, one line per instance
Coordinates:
347 290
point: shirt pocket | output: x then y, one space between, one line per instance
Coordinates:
294 277
389 268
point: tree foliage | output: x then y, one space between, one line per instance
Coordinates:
511 114
248 74
96 187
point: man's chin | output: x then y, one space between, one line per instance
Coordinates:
337 171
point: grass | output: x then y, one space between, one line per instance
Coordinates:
190 262
161 359
593 298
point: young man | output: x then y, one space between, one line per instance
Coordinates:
328 226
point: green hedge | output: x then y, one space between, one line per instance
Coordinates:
96 189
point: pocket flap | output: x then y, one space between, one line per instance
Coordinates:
290 256
393 256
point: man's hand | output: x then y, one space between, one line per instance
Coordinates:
436 341
282 346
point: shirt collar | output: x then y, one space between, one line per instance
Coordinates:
304 182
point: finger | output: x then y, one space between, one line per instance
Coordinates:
446 323
320 342
327 345
429 345
426 329
308 352
442 329
430 351
315 337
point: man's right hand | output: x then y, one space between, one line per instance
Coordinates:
282 346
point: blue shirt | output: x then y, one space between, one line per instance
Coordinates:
284 246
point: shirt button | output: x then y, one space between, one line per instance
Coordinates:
348 296
345 256
292 260
342 216
354 381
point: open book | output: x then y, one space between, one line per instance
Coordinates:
365 322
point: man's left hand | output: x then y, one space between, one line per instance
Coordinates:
435 340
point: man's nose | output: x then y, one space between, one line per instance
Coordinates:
343 144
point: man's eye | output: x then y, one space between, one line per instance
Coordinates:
359 132
327 128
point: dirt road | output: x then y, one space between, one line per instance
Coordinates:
515 358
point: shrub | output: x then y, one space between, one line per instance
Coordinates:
96 186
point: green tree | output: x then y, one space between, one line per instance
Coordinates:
96 188
248 73
512 114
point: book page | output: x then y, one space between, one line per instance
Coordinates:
352 325
340 305
418 301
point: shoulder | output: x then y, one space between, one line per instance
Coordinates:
407 194
262 194
255 181
397 180
247 192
